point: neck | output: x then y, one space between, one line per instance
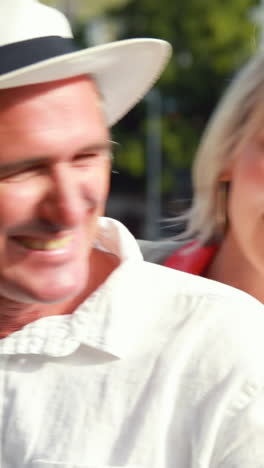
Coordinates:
15 315
231 267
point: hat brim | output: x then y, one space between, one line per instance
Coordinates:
124 71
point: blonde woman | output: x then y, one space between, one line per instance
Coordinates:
224 236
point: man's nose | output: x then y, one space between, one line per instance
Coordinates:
65 203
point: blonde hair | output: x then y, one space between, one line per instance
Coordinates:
236 118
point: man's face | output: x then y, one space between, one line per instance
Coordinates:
54 177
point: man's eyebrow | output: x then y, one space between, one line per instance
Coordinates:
12 166
107 145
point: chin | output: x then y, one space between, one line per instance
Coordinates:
52 289
51 296
61 289
55 297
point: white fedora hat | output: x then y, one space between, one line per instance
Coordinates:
36 45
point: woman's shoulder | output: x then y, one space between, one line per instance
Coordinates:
159 251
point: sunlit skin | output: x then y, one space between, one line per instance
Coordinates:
240 260
54 181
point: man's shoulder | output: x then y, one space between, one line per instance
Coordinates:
182 283
208 320
180 294
157 285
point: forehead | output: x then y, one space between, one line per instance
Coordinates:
71 97
51 119
18 95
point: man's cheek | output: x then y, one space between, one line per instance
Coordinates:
15 207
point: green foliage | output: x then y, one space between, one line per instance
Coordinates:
179 141
210 39
134 161
81 10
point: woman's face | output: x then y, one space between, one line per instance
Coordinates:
246 201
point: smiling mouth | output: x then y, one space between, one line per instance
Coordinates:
38 244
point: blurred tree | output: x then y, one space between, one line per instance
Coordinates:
210 39
83 9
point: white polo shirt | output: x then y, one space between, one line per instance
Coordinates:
157 369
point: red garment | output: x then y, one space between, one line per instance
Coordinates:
194 261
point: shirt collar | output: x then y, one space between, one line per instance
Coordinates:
103 321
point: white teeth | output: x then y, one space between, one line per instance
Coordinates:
37 244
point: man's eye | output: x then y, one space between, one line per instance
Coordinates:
21 174
85 159
84 156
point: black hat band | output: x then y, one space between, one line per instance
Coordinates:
24 53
